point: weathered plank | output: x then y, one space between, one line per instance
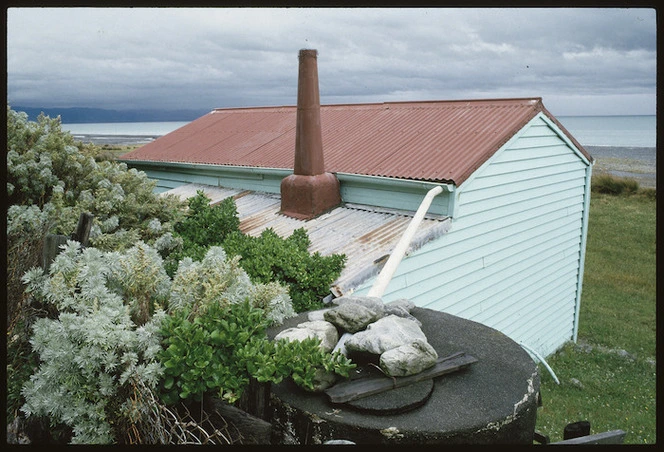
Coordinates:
355 389
255 399
253 430
52 242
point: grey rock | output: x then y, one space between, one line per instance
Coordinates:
400 311
317 315
352 317
576 383
373 303
325 331
385 334
408 359
403 303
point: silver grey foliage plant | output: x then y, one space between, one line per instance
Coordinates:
105 340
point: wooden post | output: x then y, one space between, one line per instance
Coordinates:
52 242
255 399
82 233
51 249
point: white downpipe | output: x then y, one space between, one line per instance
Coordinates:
539 357
395 258
399 251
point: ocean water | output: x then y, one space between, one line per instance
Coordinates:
124 128
616 131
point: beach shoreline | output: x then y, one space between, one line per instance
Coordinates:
637 163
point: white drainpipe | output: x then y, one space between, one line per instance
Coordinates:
395 258
539 357
399 251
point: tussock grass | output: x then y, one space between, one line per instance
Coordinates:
613 185
609 376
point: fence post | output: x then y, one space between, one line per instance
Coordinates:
51 249
52 242
82 233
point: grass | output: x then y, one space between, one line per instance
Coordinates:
609 376
118 149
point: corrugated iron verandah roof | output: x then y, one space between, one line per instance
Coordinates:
364 234
439 141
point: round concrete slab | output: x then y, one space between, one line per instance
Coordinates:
394 401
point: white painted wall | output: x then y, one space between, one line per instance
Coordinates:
513 257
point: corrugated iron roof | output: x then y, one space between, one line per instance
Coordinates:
439 141
365 235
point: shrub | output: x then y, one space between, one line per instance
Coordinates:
109 333
93 352
220 347
202 227
219 279
271 258
612 185
51 180
46 168
267 258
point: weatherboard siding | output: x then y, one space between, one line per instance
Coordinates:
169 175
511 259
400 194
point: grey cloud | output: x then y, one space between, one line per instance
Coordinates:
218 57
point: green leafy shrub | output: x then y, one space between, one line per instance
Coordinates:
222 346
267 258
202 227
201 350
215 335
271 258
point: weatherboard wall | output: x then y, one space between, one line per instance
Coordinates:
513 258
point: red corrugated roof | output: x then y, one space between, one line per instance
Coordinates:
443 141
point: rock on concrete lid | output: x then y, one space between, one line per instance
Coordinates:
385 334
325 331
408 359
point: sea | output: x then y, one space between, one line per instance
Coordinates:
611 131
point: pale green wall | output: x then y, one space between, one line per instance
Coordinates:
513 257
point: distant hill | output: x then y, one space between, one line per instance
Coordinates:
78 115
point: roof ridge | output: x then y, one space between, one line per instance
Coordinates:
536 100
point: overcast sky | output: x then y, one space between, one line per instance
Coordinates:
580 61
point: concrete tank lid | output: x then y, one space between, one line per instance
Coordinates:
492 401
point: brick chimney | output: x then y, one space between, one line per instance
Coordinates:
309 191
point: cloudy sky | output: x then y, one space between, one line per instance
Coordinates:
580 61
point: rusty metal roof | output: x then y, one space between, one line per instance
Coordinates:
365 235
439 141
